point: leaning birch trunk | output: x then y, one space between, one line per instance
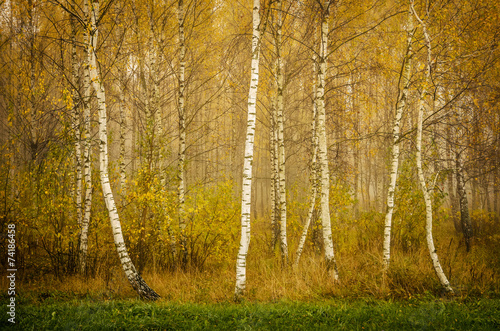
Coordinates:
427 198
247 164
314 179
182 135
133 276
400 106
281 142
322 148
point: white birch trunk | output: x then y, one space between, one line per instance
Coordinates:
182 133
87 145
463 201
281 141
400 106
123 173
134 278
314 179
247 164
426 192
322 148
274 176
76 123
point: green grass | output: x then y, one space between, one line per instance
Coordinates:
340 314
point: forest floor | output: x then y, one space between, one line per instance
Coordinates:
421 313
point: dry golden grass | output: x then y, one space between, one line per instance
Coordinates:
471 274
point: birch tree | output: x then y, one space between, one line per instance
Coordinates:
182 131
278 128
313 177
76 122
404 84
87 156
133 276
273 151
425 190
248 158
322 144
463 202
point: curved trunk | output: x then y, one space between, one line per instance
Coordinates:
314 179
133 276
427 198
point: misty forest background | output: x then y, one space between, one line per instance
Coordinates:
187 249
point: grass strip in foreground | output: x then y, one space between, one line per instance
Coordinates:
482 314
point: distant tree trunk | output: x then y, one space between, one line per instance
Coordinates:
314 179
133 276
322 147
451 164
427 198
463 202
182 134
247 164
400 106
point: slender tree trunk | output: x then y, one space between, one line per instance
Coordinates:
427 197
247 164
87 155
133 276
281 141
400 106
273 137
463 202
314 179
452 187
182 134
76 122
322 147
123 172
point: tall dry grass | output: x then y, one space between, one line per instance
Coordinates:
359 257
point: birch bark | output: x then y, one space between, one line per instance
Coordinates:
463 201
123 107
247 164
273 137
314 179
87 148
427 198
133 276
281 141
400 106
76 122
182 133
322 146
